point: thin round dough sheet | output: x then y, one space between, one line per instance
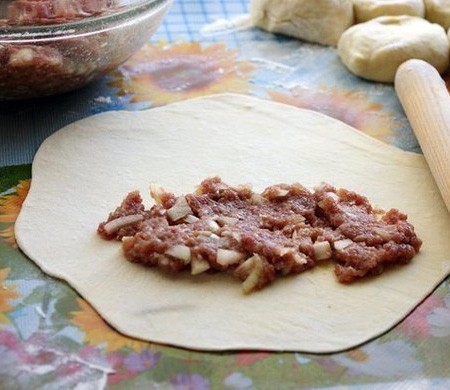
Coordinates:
83 171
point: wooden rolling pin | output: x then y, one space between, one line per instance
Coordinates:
426 102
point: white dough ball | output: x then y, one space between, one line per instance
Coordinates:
438 11
375 49
318 21
371 9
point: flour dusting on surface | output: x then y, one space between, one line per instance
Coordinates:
226 26
272 65
103 99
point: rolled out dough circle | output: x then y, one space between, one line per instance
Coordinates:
83 171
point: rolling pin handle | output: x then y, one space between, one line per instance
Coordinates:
426 102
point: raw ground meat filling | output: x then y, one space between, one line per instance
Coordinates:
50 66
284 230
373 238
24 12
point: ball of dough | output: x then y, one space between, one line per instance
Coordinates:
371 9
375 49
438 11
319 21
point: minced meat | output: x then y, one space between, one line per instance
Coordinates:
286 229
33 12
54 65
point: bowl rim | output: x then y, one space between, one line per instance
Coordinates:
93 24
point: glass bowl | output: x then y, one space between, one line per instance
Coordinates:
52 46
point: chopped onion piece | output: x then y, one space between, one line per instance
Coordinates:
236 236
333 196
205 234
198 265
116 224
257 199
322 250
245 268
254 277
127 242
181 252
227 257
157 192
276 192
213 225
22 57
230 234
384 234
224 220
179 210
319 187
244 187
281 251
191 219
221 187
378 213
251 282
342 244
163 261
300 258
226 233
281 193
328 195
298 219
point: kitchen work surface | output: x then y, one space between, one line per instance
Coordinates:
51 338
